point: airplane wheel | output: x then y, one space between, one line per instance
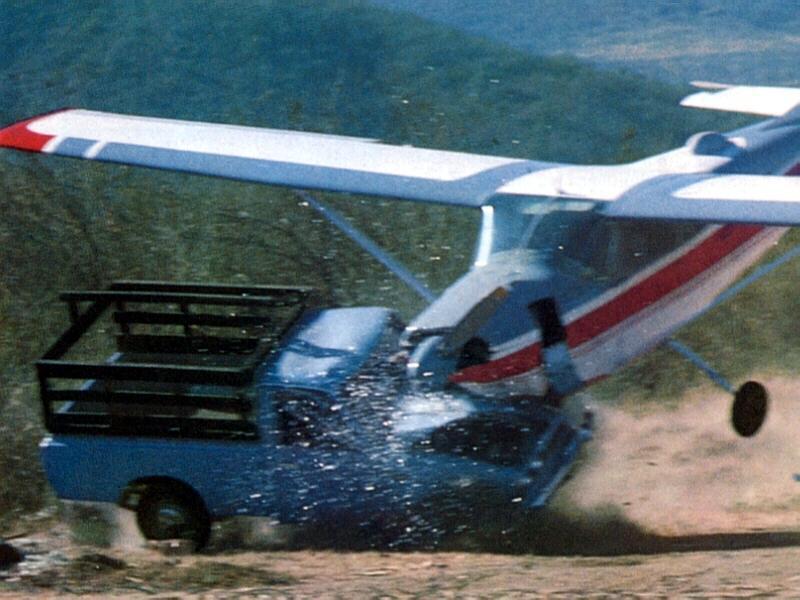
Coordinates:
170 512
749 408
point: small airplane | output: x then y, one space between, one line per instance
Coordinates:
577 269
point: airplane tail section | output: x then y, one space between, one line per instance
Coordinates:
756 100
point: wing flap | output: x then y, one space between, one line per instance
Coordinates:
289 158
634 192
752 199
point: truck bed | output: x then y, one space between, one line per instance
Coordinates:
183 359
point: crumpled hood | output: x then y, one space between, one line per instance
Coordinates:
327 346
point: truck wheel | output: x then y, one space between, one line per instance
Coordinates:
169 512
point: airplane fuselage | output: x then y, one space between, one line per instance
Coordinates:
622 287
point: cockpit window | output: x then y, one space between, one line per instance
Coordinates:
597 248
612 250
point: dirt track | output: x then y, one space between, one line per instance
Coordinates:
667 504
754 573
685 472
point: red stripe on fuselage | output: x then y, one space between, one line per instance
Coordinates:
631 301
795 170
685 268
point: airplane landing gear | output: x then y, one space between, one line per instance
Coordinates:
750 401
749 408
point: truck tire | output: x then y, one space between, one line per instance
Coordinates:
168 512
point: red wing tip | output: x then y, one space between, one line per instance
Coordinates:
20 137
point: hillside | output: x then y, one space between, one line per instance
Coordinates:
720 40
341 67
335 66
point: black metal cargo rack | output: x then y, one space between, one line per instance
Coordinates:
178 369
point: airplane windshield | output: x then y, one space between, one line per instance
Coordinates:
590 246
606 250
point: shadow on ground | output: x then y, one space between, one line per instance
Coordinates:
547 533
554 533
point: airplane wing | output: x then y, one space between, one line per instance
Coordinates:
289 158
755 199
363 166
626 191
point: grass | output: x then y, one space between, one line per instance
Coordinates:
23 489
732 41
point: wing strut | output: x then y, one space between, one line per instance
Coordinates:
701 364
369 246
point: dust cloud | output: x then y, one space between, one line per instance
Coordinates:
126 532
685 472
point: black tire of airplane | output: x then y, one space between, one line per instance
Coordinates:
749 410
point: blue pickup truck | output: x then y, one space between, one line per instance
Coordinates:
214 401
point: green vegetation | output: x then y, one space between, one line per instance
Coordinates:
339 67
723 40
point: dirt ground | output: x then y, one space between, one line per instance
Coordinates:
702 574
665 504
